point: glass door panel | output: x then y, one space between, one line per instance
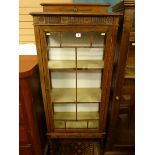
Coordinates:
63 86
60 58
76 65
75 38
53 39
90 58
98 38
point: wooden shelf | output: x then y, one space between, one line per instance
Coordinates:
61 64
76 124
88 95
69 95
71 64
63 116
87 115
79 46
93 124
90 124
63 95
59 124
129 72
94 64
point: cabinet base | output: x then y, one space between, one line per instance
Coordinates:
75 148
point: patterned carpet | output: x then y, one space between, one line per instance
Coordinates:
77 148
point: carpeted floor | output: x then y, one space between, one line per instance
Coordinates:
77 148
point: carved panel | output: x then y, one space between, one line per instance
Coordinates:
38 20
74 20
51 20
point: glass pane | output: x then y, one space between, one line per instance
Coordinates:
76 124
87 115
75 39
61 54
98 38
93 124
76 93
89 79
61 58
63 95
61 107
59 124
90 58
54 39
65 116
87 107
63 79
89 86
88 95
90 53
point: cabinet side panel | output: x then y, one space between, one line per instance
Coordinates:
41 70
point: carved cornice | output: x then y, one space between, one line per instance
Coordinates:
72 20
120 6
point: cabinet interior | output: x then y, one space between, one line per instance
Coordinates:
76 69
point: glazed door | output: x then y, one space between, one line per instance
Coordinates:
122 123
77 69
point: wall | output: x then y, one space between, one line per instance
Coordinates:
98 1
26 31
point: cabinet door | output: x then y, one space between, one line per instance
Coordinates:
77 71
75 63
122 134
125 127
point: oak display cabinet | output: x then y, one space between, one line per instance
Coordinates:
75 46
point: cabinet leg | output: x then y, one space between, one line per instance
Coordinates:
54 148
102 147
51 146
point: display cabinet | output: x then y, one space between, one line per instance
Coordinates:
75 45
121 130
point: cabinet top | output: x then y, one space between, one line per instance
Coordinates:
122 5
76 4
28 64
79 14
75 14
77 8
